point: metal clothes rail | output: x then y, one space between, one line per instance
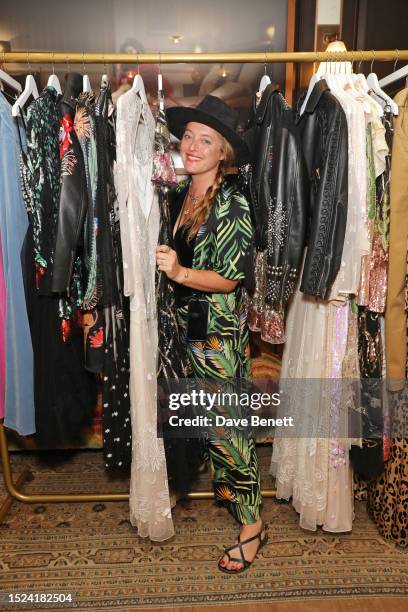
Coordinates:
14 492
35 57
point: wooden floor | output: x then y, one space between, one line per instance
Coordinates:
366 604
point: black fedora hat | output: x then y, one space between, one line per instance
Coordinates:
215 113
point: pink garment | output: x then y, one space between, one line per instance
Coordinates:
378 276
2 335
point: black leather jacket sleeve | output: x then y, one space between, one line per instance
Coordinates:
286 217
73 205
325 145
279 195
74 195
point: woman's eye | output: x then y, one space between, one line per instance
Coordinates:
206 142
186 136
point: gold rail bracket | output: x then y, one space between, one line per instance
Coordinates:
26 476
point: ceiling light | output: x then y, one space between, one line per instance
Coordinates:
176 38
270 31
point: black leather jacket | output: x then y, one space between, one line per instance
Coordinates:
323 128
73 199
279 194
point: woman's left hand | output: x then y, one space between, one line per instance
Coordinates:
167 261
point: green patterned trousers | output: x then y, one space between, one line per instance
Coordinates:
230 451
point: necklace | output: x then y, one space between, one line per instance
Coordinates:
194 201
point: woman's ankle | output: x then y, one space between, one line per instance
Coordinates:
256 524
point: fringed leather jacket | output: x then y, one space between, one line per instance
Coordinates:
279 193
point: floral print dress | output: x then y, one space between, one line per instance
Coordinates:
64 393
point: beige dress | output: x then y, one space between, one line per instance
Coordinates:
313 468
150 509
319 357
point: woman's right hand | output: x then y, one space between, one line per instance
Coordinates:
167 261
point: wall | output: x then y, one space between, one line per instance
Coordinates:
376 24
106 25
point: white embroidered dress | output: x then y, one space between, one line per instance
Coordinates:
150 509
320 356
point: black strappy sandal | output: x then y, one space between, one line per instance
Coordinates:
246 564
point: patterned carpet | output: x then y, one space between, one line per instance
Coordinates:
91 550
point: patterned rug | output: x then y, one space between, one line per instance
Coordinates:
91 551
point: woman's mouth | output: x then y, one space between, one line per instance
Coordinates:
192 158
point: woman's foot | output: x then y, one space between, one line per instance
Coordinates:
249 550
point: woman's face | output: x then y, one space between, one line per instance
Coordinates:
200 148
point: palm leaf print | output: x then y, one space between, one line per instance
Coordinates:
68 163
214 343
82 125
221 245
225 492
223 450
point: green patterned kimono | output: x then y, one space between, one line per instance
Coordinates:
222 245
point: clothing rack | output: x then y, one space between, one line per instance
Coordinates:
28 58
36 57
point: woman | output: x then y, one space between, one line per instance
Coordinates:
212 232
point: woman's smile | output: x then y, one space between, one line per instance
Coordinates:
192 158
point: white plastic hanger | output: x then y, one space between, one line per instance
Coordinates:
8 80
138 85
383 98
396 75
104 78
160 96
53 81
86 83
30 89
343 70
359 89
345 73
315 78
377 93
362 87
334 78
324 71
265 81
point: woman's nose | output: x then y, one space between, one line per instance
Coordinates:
193 145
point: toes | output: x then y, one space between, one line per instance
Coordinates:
233 566
236 566
230 565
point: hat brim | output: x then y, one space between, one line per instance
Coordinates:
179 116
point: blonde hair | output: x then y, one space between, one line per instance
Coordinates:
201 213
